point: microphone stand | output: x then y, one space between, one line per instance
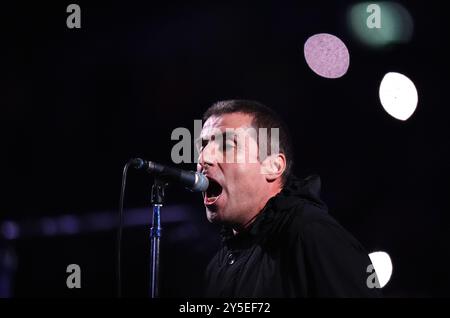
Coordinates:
155 235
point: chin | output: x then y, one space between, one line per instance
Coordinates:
215 217
212 216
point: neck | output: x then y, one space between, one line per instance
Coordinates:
251 217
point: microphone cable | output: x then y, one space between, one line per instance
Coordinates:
120 228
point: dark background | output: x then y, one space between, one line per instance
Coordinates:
78 103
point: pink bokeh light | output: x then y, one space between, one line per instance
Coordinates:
327 55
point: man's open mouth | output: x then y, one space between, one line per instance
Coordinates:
213 192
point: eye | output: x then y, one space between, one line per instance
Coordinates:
228 145
201 144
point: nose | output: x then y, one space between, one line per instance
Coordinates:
206 157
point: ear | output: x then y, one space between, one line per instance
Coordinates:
273 166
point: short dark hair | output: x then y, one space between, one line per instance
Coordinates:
263 117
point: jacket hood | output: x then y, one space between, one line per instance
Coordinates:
297 189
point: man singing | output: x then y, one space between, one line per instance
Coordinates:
278 238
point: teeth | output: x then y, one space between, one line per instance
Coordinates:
210 200
213 193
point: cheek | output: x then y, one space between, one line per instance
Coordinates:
244 178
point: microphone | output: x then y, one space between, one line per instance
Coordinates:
194 181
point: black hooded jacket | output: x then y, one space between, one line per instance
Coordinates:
294 248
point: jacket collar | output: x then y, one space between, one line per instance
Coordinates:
294 192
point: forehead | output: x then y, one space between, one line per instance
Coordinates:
222 122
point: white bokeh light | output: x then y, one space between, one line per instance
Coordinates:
398 95
383 266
